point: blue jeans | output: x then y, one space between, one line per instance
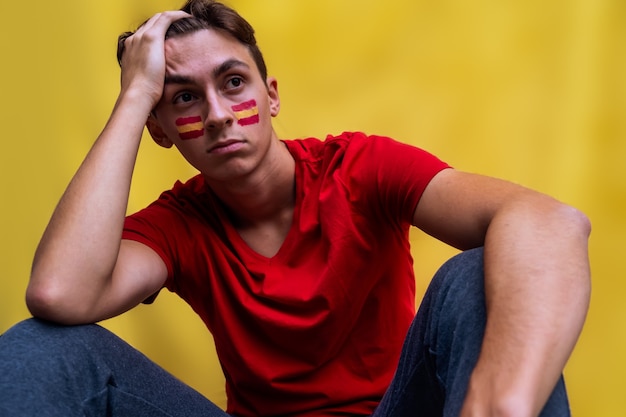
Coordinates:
49 370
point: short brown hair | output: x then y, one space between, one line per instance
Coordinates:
209 14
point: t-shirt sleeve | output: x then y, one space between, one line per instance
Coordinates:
391 174
161 227
140 228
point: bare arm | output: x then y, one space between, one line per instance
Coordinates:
82 272
537 284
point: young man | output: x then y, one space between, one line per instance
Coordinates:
295 254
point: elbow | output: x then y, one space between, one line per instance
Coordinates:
43 301
562 218
43 293
578 220
579 227
50 302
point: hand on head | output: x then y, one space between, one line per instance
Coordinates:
142 55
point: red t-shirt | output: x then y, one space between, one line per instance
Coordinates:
317 329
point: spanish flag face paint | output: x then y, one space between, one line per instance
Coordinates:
190 127
247 113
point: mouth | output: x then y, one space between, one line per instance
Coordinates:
226 146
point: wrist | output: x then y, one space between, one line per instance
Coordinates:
137 100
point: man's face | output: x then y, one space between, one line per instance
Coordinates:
215 107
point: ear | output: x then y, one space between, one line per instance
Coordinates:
272 91
158 135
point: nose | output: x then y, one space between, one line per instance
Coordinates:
218 114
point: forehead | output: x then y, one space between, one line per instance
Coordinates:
203 50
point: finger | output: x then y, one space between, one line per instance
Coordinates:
153 29
162 21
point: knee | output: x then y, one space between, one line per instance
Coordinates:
462 275
457 310
465 265
457 291
33 338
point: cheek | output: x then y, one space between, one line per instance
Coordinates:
189 127
193 151
247 113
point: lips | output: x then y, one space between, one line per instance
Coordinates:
226 146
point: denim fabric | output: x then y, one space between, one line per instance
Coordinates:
47 370
442 346
57 371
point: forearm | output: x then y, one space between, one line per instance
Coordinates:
79 248
537 289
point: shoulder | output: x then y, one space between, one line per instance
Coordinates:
357 153
184 197
192 188
175 207
309 149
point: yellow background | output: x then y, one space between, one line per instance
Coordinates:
533 91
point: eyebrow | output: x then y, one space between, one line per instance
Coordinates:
228 65
219 70
177 79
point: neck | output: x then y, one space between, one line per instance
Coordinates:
265 195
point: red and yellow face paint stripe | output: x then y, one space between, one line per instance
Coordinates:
190 127
247 113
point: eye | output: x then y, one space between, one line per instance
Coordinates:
234 83
184 98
